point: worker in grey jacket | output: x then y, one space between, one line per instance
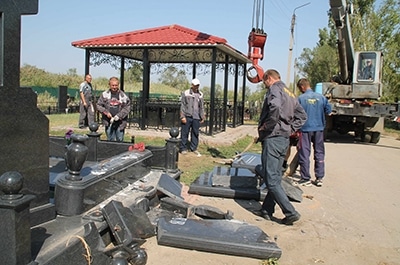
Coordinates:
192 115
281 116
114 105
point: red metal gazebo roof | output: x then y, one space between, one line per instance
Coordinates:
166 37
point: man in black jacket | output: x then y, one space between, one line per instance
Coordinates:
281 116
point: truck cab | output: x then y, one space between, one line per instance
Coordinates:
365 80
367 75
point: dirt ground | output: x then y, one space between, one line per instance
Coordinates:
352 219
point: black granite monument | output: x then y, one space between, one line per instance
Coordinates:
102 201
24 134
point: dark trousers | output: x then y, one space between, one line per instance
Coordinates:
86 115
273 153
316 139
191 126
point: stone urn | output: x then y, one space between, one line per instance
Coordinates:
76 156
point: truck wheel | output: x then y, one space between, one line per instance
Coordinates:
375 137
366 137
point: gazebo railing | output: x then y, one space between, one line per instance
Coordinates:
164 113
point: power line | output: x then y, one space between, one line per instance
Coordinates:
278 7
271 14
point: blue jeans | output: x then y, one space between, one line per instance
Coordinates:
317 141
191 126
272 156
114 133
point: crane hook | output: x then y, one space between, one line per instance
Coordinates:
255 74
256 41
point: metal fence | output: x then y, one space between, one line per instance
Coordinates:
163 113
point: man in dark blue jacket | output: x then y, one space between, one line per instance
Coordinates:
316 107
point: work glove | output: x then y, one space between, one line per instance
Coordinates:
295 135
116 118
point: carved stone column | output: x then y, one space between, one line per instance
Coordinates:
15 243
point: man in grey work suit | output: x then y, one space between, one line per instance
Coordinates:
281 116
86 109
192 115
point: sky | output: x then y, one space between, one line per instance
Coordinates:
46 37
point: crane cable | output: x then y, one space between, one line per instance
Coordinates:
256 41
258 11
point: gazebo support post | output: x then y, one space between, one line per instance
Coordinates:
122 74
243 93
235 95
87 61
145 88
194 72
212 94
226 83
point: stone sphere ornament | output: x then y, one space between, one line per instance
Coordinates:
93 127
119 261
141 257
174 132
11 183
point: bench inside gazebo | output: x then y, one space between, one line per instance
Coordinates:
196 51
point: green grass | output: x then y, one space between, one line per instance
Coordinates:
57 120
270 261
60 123
153 141
212 156
229 151
190 165
156 88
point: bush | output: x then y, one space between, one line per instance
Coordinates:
44 100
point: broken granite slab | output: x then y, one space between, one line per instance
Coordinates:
229 237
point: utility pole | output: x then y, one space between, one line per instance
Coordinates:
291 43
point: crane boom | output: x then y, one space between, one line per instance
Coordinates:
340 13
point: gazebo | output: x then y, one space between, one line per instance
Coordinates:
199 52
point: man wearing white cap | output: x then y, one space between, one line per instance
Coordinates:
191 114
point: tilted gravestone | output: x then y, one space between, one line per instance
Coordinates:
24 129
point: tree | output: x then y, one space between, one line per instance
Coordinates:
388 41
219 93
374 29
33 76
319 64
134 74
174 78
72 72
247 93
259 94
